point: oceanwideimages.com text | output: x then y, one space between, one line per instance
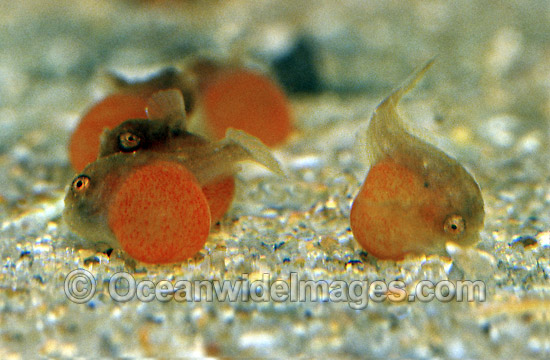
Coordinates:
80 286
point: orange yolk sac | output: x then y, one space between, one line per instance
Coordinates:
415 198
245 100
160 214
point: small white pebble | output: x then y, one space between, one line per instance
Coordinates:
456 349
256 339
529 143
505 48
500 130
543 238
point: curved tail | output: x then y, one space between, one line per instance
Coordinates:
256 149
410 83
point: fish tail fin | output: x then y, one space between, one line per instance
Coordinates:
169 106
257 150
410 83
386 126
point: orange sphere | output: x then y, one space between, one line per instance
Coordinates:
219 195
395 213
159 214
248 101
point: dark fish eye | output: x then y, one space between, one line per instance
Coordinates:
454 224
81 184
128 141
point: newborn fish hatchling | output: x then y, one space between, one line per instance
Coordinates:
150 206
126 199
165 130
415 198
122 201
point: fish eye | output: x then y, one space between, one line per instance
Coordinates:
128 141
454 225
81 184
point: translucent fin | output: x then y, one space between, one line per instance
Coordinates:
386 128
257 150
167 105
409 83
